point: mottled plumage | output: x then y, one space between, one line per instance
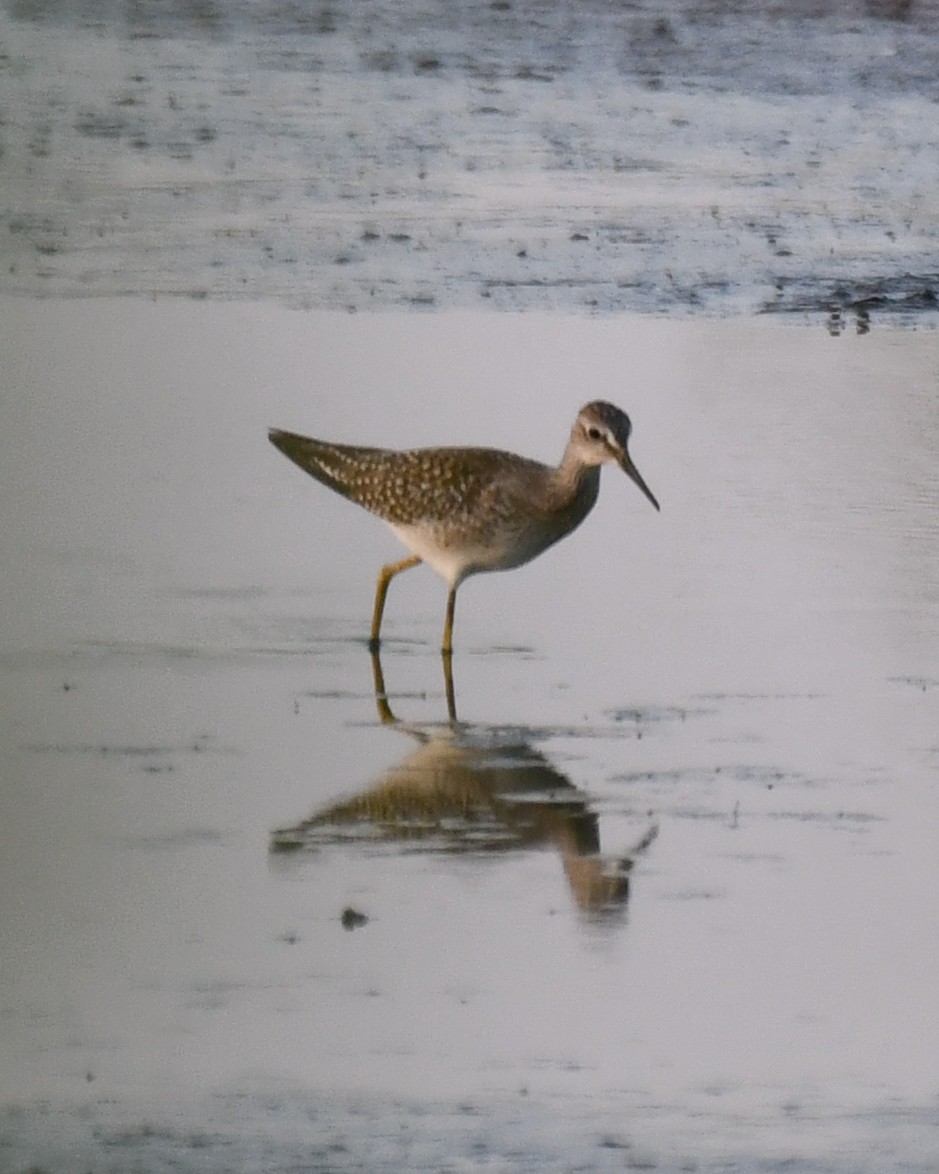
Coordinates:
468 510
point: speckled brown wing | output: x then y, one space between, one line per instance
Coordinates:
442 485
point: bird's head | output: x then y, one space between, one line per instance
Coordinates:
600 436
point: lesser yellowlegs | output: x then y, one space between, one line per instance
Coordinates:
464 511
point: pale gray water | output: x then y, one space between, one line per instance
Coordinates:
731 705
185 686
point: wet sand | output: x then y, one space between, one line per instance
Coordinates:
661 900
672 157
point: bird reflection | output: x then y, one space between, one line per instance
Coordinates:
473 788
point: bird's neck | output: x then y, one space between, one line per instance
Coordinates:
576 487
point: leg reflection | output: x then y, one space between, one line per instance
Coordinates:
385 712
385 716
448 685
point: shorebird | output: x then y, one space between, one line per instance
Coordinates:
464 511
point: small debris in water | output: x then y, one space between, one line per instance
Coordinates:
352 918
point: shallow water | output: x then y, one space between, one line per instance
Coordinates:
671 156
662 899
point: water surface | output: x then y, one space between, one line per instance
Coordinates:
662 899
670 156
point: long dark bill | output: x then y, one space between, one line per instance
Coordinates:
631 471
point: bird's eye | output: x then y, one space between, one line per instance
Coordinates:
594 434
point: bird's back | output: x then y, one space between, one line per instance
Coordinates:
462 510
424 485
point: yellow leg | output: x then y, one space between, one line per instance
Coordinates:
447 646
387 574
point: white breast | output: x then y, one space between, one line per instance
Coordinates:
455 563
